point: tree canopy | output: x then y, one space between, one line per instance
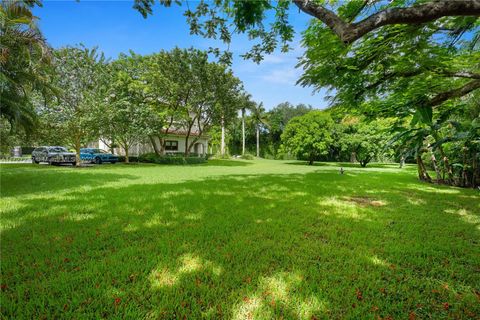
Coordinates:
308 136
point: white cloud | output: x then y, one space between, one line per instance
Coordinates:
286 75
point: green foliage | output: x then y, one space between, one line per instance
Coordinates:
247 156
171 159
81 74
25 66
125 116
189 91
130 159
367 140
308 136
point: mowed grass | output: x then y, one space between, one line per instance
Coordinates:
236 240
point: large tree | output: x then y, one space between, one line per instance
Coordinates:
24 65
191 92
269 22
80 72
308 137
125 115
259 118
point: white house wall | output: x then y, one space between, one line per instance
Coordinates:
146 146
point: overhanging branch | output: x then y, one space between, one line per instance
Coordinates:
349 32
455 93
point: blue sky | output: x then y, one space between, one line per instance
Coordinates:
115 27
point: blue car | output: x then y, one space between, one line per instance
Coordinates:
97 156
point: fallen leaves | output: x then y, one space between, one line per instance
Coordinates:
117 301
359 294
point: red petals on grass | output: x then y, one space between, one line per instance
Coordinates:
359 294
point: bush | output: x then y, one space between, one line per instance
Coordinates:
247 156
171 159
219 156
130 158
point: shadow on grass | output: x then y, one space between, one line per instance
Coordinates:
349 165
53 179
269 246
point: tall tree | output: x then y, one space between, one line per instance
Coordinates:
81 74
259 117
308 137
124 116
24 64
246 103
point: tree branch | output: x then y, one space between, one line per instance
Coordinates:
460 74
455 93
349 32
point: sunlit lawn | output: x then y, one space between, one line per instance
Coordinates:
236 240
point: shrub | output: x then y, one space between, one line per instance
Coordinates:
130 158
247 156
219 156
171 159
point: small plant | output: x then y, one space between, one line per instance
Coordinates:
247 156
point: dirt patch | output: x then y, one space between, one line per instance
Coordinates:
366 201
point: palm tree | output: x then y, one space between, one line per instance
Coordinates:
24 61
246 104
259 117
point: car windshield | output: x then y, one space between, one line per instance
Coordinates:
99 151
57 149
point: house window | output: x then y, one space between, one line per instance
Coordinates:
171 145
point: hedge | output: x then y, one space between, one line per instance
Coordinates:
130 159
171 159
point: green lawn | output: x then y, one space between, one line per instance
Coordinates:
236 240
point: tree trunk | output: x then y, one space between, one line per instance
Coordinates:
476 170
435 167
127 159
111 146
154 145
243 131
402 162
353 157
77 152
258 142
310 162
187 147
464 179
422 171
448 168
222 143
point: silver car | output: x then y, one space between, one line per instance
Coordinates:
53 155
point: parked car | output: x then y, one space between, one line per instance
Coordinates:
53 155
97 156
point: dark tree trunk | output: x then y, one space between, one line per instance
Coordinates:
422 171
154 145
127 159
417 14
77 152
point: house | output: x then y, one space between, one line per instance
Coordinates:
175 140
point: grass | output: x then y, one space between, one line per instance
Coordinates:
236 240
